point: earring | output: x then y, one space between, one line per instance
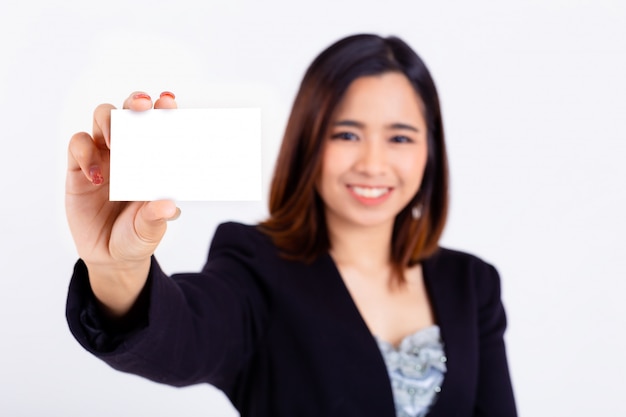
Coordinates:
416 211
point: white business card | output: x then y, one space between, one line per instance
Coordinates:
186 155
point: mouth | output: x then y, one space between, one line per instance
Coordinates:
370 192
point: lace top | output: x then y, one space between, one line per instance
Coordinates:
416 369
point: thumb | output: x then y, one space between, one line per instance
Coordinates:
150 221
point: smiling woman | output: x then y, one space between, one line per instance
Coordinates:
374 160
341 303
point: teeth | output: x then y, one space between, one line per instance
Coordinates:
370 192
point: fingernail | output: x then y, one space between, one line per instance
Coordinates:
96 175
169 94
175 216
141 95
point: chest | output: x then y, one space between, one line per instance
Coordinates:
322 339
391 312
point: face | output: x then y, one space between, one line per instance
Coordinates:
375 153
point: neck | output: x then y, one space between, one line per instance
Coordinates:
363 248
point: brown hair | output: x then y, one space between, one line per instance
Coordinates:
296 223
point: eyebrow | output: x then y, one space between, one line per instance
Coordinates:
353 123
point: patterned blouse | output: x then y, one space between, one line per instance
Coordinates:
416 369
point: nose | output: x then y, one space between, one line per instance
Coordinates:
372 158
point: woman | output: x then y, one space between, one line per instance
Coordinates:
340 303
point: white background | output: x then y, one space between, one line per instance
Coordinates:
533 100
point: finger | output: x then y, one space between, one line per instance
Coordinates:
85 157
167 100
161 210
138 101
150 222
102 125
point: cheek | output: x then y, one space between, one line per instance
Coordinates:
335 161
413 167
327 171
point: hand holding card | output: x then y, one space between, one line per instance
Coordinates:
115 239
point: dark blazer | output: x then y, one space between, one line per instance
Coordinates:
282 338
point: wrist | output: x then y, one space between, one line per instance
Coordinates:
117 286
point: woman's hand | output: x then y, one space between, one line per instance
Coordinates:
114 239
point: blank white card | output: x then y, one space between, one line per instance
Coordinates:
186 155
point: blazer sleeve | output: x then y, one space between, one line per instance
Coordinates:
199 327
494 394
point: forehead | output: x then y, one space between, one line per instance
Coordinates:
384 96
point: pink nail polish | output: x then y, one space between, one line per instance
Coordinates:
169 94
141 95
96 175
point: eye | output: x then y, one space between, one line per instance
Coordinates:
401 139
345 136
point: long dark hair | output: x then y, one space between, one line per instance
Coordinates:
296 223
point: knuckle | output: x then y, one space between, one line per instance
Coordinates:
77 141
103 108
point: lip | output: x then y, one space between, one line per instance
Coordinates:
370 195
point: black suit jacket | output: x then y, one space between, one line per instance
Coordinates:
282 338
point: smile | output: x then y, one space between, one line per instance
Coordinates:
370 192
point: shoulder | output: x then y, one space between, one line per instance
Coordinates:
243 247
237 231
451 260
247 238
455 271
